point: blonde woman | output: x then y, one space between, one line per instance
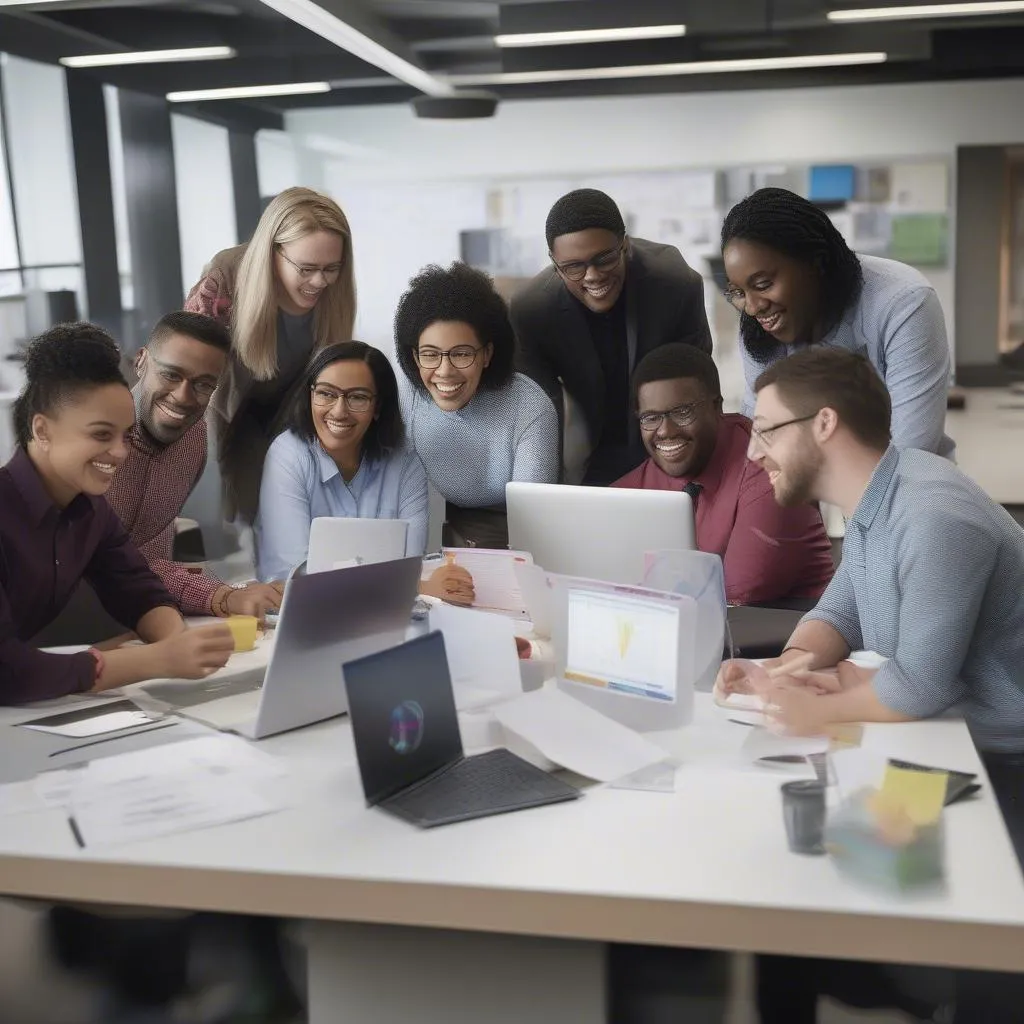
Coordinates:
287 293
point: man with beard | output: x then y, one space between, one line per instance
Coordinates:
179 370
932 579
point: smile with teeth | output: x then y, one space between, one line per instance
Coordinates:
671 447
337 427
598 291
770 323
107 468
168 411
447 389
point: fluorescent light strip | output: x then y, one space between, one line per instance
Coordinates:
589 35
326 25
703 67
244 92
103 60
927 11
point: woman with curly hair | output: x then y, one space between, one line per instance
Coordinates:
796 282
475 423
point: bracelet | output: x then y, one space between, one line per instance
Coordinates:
101 664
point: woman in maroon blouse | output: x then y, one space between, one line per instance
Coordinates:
56 529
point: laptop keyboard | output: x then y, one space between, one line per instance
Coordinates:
490 783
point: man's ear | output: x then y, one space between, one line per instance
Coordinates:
825 424
41 431
140 360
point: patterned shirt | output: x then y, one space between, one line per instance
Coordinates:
897 323
932 578
502 435
149 489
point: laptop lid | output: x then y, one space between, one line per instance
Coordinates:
326 619
334 539
600 533
402 708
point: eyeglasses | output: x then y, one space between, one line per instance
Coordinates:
681 416
306 271
358 399
461 358
203 387
766 435
576 270
737 297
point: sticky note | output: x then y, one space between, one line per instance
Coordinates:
921 794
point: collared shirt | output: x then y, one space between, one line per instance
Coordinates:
302 482
897 323
932 578
44 552
768 552
149 489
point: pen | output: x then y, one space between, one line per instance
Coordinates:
109 739
76 832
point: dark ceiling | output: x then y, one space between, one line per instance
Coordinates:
456 37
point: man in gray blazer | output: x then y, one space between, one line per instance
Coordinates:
584 323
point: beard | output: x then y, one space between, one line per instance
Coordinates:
796 484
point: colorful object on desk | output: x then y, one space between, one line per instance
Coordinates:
920 795
243 630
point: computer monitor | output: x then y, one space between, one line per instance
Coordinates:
600 533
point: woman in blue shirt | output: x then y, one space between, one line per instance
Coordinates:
796 282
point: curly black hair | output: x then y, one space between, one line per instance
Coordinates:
461 294
59 364
673 361
580 210
781 220
385 433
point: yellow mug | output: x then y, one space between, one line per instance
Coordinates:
243 629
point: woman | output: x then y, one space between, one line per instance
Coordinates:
56 529
474 422
342 455
796 282
286 293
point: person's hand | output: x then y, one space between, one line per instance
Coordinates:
741 675
116 641
797 710
851 675
196 653
450 583
256 599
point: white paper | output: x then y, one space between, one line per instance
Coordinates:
764 743
54 788
855 767
91 722
482 654
19 798
538 598
576 736
494 576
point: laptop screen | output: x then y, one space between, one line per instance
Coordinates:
404 722
623 643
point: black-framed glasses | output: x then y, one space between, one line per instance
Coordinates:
306 271
576 270
766 435
173 378
461 357
681 416
357 399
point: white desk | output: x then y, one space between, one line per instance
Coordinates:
705 866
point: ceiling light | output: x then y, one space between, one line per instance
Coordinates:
703 67
102 60
244 92
326 25
590 35
927 11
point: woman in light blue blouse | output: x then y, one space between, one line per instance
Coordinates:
473 421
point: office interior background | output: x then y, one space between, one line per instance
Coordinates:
118 182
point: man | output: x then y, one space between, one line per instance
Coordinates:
178 371
769 554
584 323
932 578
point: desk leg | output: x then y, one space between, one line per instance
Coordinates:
369 974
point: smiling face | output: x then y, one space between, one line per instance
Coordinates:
680 450
789 455
306 268
80 444
781 293
452 386
339 427
600 287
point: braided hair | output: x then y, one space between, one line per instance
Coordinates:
59 364
781 220
581 210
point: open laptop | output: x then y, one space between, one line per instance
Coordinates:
600 533
409 749
336 539
326 618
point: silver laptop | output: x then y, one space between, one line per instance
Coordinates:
335 539
600 533
326 619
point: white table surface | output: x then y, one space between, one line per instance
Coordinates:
706 865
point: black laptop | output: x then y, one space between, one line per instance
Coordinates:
406 733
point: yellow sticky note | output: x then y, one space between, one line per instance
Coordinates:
921 794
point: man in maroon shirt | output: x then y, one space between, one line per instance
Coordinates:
769 553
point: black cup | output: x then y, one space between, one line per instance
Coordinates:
803 809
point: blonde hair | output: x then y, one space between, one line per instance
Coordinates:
291 215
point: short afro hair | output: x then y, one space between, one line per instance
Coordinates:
60 364
463 295
193 325
673 362
581 210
